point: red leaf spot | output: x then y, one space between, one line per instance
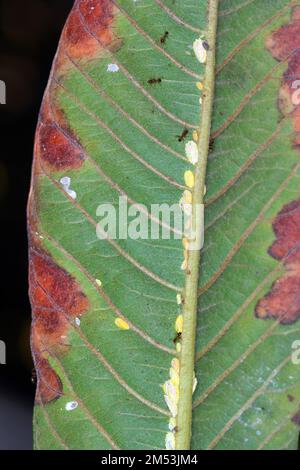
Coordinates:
283 301
284 44
284 41
286 227
89 28
49 385
57 150
55 144
56 298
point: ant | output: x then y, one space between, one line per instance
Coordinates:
153 81
164 37
183 135
211 144
177 338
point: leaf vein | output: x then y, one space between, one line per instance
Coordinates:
248 232
155 45
136 83
120 250
176 18
251 36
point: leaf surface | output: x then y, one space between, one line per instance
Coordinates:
121 103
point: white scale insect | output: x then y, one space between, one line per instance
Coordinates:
112 68
66 183
71 406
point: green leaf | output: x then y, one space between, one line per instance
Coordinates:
122 102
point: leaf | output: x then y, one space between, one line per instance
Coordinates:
122 102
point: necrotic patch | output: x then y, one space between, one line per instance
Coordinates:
283 301
88 32
56 298
89 29
285 40
55 144
284 45
57 150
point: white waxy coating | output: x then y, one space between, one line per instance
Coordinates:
66 183
191 151
71 405
113 68
200 51
170 441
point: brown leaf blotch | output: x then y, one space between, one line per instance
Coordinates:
286 39
286 227
57 149
283 301
49 385
88 29
55 296
284 45
56 299
55 144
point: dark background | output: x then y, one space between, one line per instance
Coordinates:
29 33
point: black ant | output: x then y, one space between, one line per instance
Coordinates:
153 81
211 144
164 37
183 135
177 338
